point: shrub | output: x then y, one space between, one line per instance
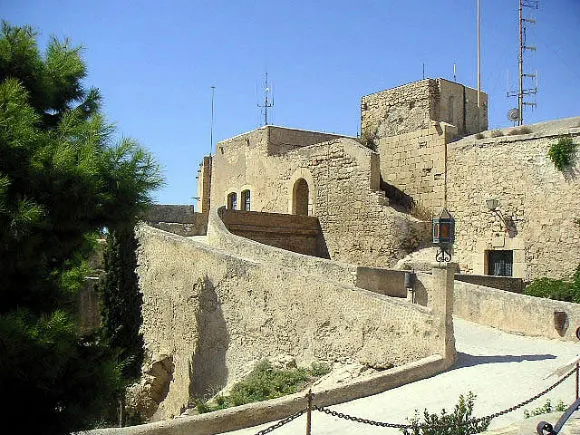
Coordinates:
557 289
479 136
562 152
496 133
461 414
263 383
546 408
520 130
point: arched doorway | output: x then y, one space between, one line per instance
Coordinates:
300 197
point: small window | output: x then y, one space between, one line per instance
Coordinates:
246 200
233 201
500 263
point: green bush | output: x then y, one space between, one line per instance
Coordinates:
557 289
461 414
263 383
546 408
562 152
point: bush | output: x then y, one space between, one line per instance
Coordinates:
461 414
545 409
496 133
556 289
520 130
263 383
562 152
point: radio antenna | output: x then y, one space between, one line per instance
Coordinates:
268 101
522 92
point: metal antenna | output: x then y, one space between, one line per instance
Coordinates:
211 128
267 102
522 92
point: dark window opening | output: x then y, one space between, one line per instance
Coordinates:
500 263
300 200
246 200
233 201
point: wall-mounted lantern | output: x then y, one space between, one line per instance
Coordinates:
443 235
492 205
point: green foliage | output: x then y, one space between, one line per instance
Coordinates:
462 413
546 408
263 383
121 301
562 152
62 179
557 289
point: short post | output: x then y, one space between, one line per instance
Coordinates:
577 381
309 413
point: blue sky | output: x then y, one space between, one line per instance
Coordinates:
155 62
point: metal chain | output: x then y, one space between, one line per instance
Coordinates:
442 426
281 423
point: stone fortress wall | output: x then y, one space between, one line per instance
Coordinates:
418 130
343 179
540 204
209 314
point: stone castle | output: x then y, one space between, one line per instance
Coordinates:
297 247
426 147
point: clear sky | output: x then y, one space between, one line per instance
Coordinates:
155 62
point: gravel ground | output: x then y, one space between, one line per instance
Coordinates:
500 368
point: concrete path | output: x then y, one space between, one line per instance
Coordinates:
501 369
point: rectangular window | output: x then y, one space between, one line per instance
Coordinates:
500 263
232 201
246 200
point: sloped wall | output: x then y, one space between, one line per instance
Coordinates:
213 314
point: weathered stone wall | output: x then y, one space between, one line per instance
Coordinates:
413 106
540 203
343 181
177 219
213 314
204 184
506 283
300 234
514 313
415 163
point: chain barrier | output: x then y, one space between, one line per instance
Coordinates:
281 423
442 426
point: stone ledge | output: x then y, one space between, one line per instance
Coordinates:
254 414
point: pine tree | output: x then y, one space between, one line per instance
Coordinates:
62 179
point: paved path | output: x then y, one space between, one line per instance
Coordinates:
501 369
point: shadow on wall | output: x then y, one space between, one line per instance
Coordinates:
421 294
321 248
208 370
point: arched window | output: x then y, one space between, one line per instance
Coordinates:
232 201
300 197
246 200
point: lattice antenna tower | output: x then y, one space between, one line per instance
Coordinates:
526 96
268 99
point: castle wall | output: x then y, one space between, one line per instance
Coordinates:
343 192
414 162
542 203
299 234
212 314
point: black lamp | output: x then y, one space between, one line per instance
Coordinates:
443 235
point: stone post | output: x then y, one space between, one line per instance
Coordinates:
441 302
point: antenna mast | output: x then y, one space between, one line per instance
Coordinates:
211 128
522 92
268 103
